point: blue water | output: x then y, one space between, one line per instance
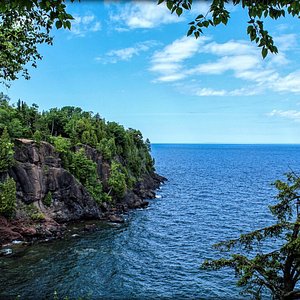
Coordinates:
214 192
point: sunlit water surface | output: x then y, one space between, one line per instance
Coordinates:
214 192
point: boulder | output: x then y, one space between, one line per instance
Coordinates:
116 219
90 227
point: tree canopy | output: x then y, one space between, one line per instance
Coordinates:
23 26
258 12
267 260
72 132
6 151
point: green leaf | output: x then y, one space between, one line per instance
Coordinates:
185 6
249 29
70 17
190 32
58 24
205 23
264 52
217 21
160 1
169 5
68 24
179 11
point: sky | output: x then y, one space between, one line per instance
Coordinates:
132 62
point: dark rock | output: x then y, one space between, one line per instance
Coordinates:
38 171
7 235
17 242
116 219
90 227
144 204
104 207
27 231
6 252
150 182
27 151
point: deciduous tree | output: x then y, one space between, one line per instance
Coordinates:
24 24
258 12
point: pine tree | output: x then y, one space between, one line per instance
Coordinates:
6 151
7 197
276 272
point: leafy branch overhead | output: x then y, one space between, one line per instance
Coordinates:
258 11
272 263
23 26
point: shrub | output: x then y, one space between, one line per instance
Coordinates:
85 170
62 146
106 198
7 197
37 136
37 216
34 213
6 151
47 199
117 180
107 147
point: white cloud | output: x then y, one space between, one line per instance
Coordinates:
288 114
210 92
236 63
248 91
229 48
125 54
239 59
169 62
147 14
204 91
171 77
289 83
178 51
286 42
200 7
143 14
81 25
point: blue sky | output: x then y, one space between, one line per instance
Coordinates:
132 63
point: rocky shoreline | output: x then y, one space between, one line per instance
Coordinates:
38 173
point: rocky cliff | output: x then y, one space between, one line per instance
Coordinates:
49 196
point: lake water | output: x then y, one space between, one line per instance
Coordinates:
214 192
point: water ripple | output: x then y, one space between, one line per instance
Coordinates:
214 193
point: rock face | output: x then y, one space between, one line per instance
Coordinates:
39 174
38 171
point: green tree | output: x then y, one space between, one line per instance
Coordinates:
62 145
37 136
69 127
276 272
107 147
7 197
258 11
6 151
85 170
117 180
24 24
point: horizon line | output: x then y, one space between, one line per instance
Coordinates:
217 143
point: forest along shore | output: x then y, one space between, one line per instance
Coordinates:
53 176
